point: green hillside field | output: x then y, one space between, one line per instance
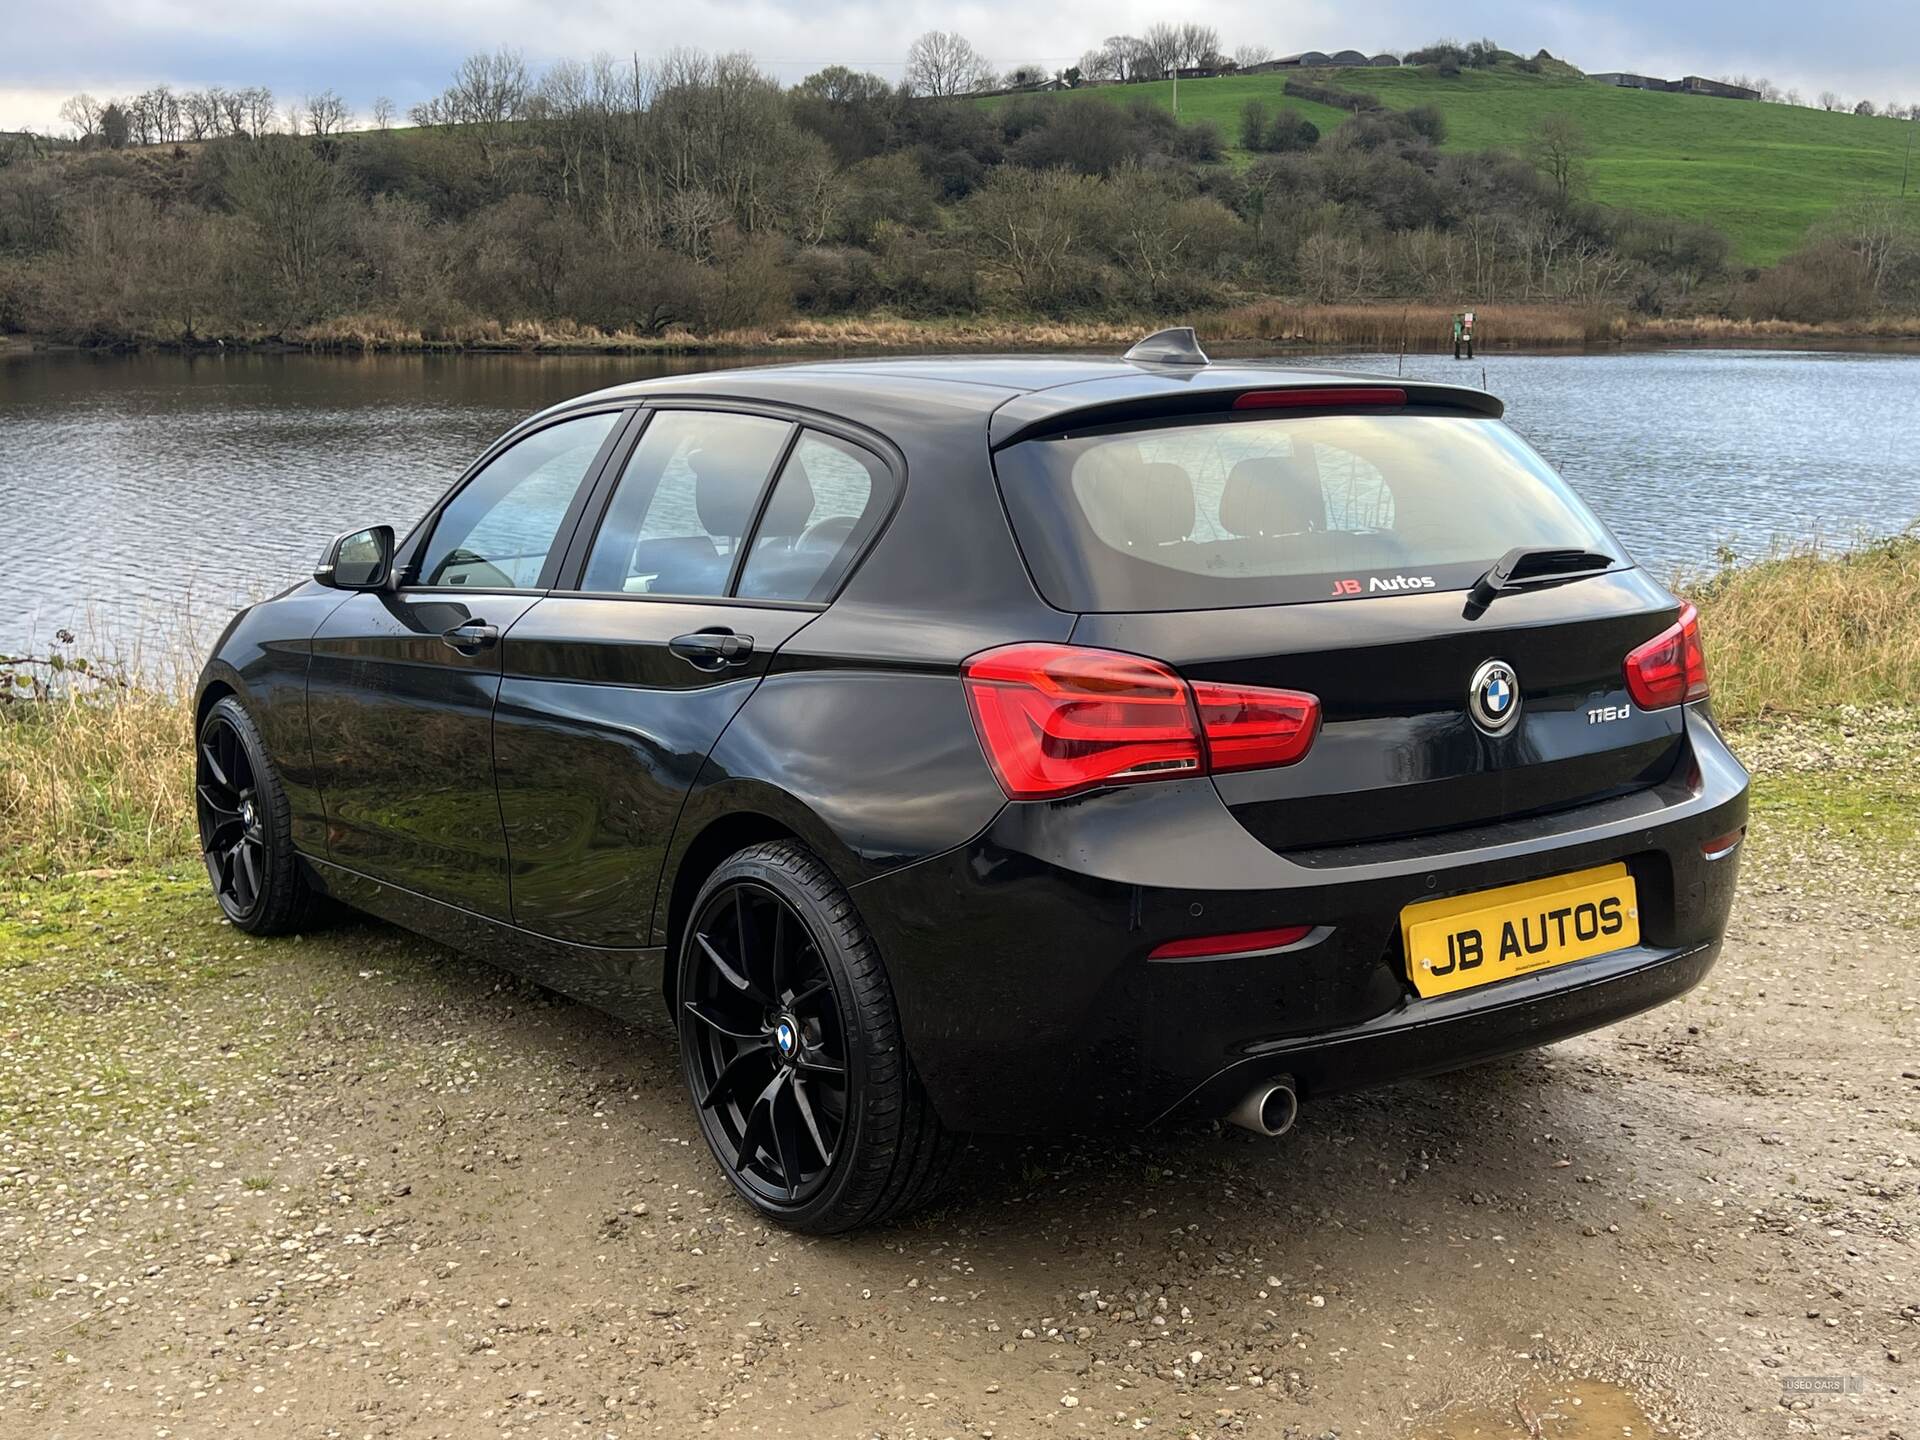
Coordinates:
1762 173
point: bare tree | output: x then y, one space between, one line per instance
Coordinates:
1558 148
1161 48
942 62
290 194
257 115
490 90
82 112
1129 56
327 114
382 112
1829 100
1246 55
1099 66
154 117
1199 45
489 93
200 111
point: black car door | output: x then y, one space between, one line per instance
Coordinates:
402 683
614 692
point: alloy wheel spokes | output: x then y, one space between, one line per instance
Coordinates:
710 1016
811 1121
232 830
734 975
727 1085
764 1043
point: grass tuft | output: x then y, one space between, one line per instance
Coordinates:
1810 628
96 765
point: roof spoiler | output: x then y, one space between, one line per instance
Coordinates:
1178 346
1145 397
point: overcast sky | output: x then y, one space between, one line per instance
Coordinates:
404 49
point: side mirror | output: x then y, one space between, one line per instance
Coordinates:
358 560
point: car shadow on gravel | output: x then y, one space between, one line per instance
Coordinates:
1480 1122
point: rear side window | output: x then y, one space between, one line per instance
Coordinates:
830 497
685 503
1278 511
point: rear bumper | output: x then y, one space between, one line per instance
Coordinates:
1019 960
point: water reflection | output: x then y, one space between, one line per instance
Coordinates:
130 484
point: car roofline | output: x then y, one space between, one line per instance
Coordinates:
1018 404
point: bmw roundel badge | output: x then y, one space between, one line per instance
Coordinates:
1493 699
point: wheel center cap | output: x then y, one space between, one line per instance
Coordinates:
786 1037
246 811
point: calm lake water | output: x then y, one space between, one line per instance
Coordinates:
141 493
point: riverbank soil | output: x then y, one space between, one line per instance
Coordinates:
352 1184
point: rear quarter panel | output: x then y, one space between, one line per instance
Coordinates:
859 740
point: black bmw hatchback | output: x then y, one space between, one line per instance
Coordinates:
998 745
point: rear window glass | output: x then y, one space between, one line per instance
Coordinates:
1279 511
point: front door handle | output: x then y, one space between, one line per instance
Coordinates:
472 637
712 649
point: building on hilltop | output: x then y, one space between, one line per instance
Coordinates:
1691 85
1321 60
1630 82
1699 85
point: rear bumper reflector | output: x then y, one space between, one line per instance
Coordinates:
1244 942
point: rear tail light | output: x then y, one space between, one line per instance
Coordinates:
1054 719
1671 668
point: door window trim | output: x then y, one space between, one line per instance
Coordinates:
407 553
573 570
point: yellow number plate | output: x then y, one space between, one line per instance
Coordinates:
1471 940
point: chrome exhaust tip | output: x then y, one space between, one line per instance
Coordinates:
1268 1109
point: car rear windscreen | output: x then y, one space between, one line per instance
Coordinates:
1236 512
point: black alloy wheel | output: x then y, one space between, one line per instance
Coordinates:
233 833
792 1050
244 826
765 1046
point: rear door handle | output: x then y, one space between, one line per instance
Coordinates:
712 649
472 637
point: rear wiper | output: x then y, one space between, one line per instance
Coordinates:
1525 563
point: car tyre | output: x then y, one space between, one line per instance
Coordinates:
246 826
792 1052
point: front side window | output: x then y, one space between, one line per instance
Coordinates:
496 533
685 504
1275 511
830 498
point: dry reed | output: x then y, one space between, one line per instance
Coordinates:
1812 628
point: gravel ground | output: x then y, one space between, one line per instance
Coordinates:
355 1185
